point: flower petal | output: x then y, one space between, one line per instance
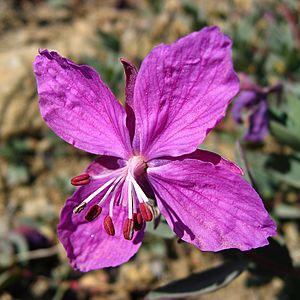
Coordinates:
244 100
79 107
202 155
258 123
130 78
182 91
87 244
210 206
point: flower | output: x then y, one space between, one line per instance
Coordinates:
253 98
179 94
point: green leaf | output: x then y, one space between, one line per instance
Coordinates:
273 259
284 168
110 41
262 181
163 230
284 211
21 245
285 135
7 252
287 130
200 283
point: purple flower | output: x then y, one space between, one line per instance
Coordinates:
257 106
253 99
180 93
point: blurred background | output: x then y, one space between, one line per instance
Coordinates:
261 132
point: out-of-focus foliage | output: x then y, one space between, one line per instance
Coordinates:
35 166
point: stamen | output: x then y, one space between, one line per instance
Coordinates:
128 229
109 226
98 191
109 173
79 208
109 191
82 179
113 197
137 221
146 212
139 192
130 198
93 213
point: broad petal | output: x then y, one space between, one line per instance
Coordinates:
210 206
202 155
79 107
87 244
182 91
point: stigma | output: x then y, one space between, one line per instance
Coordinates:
121 187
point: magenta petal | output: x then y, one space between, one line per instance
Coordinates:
182 91
202 155
210 206
130 78
87 244
79 107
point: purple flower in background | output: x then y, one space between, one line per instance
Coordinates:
253 99
179 94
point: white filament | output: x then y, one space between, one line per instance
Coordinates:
111 204
110 190
98 191
139 192
130 199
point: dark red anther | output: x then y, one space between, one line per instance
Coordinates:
146 212
93 213
137 221
128 229
82 179
109 225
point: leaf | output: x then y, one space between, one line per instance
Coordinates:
200 283
285 135
21 245
284 168
263 182
109 40
287 130
163 230
6 253
273 259
284 211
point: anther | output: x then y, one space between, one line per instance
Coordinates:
128 229
82 179
146 212
137 221
79 208
109 225
93 213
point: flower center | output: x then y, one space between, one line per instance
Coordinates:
136 165
120 188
